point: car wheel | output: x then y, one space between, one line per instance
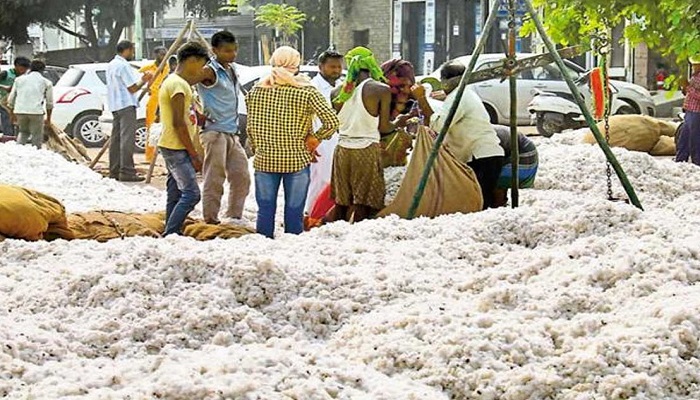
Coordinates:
140 137
492 114
626 110
88 130
547 127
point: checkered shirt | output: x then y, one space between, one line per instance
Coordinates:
692 94
279 119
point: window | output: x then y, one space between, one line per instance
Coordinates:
102 75
71 77
361 38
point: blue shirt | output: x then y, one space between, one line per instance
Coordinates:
120 76
220 100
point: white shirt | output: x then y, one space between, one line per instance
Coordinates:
471 134
31 94
120 76
325 88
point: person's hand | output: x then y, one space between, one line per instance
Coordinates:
13 119
418 91
196 162
147 76
402 120
311 145
439 95
47 123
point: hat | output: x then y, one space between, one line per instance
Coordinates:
695 59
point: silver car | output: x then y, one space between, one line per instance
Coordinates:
495 94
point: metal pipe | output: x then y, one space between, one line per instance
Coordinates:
586 113
453 110
514 149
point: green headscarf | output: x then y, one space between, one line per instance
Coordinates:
358 59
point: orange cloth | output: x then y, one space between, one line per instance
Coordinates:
152 105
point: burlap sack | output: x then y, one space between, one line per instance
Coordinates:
668 128
395 148
107 225
30 215
632 132
666 146
451 188
203 231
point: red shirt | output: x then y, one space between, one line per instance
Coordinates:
692 94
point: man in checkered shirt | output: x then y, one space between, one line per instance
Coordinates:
688 146
281 109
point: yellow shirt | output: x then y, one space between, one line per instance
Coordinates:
174 85
152 105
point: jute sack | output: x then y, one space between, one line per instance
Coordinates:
666 146
203 231
107 225
451 188
31 215
632 132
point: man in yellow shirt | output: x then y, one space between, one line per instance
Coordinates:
176 142
159 54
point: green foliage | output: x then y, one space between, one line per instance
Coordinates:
668 26
282 17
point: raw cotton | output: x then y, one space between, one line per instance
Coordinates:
567 297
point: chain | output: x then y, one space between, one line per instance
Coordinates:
601 43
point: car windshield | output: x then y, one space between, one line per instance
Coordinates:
71 78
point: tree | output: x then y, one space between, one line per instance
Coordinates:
668 26
286 20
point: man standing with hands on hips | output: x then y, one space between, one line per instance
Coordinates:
123 83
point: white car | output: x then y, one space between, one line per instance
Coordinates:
495 94
79 98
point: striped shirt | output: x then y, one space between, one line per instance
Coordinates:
527 149
280 119
692 94
120 76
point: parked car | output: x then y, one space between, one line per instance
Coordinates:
495 94
79 97
52 72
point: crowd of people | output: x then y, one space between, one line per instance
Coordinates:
307 135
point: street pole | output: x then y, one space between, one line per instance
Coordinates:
138 30
331 23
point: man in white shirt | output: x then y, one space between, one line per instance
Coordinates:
330 70
471 138
123 83
32 97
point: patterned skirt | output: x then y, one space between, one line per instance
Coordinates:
358 177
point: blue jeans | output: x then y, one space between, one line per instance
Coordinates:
183 191
688 146
296 187
6 126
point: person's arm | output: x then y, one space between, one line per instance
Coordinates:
386 126
329 120
418 93
132 81
208 76
12 98
48 94
177 104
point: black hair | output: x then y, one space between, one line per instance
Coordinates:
123 46
37 66
452 69
172 60
221 38
158 49
190 50
23 62
328 55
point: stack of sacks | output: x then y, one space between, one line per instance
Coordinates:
639 133
30 215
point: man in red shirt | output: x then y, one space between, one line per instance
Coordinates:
688 146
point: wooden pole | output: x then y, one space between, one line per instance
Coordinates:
152 166
453 110
514 149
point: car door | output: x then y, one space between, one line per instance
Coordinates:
491 92
497 93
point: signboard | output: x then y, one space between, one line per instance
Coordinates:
171 33
429 57
396 48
